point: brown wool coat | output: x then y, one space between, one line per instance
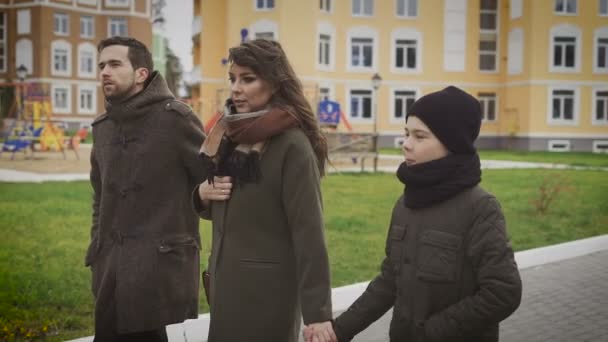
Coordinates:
144 250
449 274
269 263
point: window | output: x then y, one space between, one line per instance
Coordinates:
264 35
454 35
3 43
264 29
600 107
87 26
516 9
87 99
86 60
363 8
61 24
558 145
61 58
61 98
325 5
360 104
117 3
407 8
362 51
324 94
88 2
264 4
563 106
117 27
488 25
600 58
516 51
23 21
403 100
603 7
488 106
565 49
405 54
565 6
25 54
324 49
600 146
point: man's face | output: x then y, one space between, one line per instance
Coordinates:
118 78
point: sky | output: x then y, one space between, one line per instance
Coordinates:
178 28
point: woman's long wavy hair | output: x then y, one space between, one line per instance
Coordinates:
268 61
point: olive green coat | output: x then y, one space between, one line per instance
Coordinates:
269 264
449 274
144 250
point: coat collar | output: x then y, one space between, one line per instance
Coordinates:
139 104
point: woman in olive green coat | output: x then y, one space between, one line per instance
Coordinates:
268 265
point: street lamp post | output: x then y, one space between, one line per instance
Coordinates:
376 82
21 73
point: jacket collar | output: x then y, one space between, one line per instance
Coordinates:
139 104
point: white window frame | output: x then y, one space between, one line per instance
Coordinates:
515 61
93 90
25 54
484 100
552 148
24 21
264 26
594 97
360 119
326 6
490 33
4 41
68 108
597 148
406 34
330 88
88 2
61 44
362 32
564 4
362 8
516 9
455 35
575 106
60 20
393 99
569 31
90 49
327 29
118 3
406 6
600 33
603 3
114 21
265 5
87 22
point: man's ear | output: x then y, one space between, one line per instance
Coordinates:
141 75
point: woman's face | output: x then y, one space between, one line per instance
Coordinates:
421 145
249 92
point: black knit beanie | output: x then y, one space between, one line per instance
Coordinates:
453 116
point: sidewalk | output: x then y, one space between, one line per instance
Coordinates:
565 298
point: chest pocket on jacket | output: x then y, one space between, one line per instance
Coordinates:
438 258
396 247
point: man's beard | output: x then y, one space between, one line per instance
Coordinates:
122 95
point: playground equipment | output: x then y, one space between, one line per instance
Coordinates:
37 128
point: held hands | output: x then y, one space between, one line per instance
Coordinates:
219 190
319 332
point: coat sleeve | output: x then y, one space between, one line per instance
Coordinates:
95 178
378 298
497 277
190 136
302 203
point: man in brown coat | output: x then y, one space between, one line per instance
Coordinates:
144 251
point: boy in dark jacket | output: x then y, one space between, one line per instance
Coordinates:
449 271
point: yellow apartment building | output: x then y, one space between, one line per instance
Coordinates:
538 67
56 40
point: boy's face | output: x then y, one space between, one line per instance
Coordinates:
421 145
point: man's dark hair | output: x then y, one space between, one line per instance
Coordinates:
138 54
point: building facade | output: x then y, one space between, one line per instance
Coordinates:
538 67
57 42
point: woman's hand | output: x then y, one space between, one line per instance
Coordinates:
219 190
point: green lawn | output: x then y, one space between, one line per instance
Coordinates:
570 158
43 281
